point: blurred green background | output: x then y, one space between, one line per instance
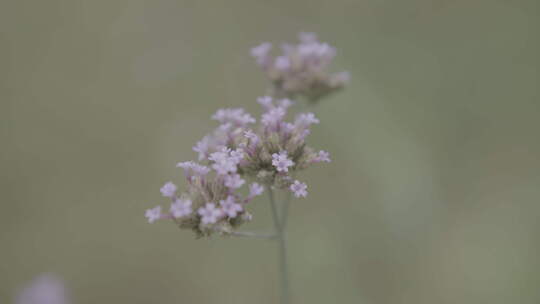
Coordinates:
432 197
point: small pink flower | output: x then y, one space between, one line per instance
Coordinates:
234 181
181 208
237 155
322 156
168 190
192 168
44 289
285 103
261 51
251 136
281 161
209 213
304 120
299 189
202 147
306 37
282 63
235 116
255 190
153 214
226 161
230 207
273 116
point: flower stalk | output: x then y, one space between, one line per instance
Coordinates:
279 225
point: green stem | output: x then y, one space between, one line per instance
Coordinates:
249 234
282 250
285 210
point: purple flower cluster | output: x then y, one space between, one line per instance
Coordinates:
44 289
301 69
268 153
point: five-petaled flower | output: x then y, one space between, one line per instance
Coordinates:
153 214
230 207
181 208
255 190
281 161
322 156
168 190
299 189
209 213
234 181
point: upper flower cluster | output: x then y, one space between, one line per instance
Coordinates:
268 153
301 69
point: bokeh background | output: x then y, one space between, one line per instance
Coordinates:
432 197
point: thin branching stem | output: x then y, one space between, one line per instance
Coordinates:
285 210
249 234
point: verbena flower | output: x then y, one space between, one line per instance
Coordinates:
168 190
44 289
281 161
209 213
299 189
181 208
301 69
153 214
230 207
269 154
255 190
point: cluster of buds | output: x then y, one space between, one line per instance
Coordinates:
269 154
301 70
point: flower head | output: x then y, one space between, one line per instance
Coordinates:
268 153
301 70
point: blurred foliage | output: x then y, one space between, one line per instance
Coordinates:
432 196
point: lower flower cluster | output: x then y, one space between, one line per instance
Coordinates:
269 154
